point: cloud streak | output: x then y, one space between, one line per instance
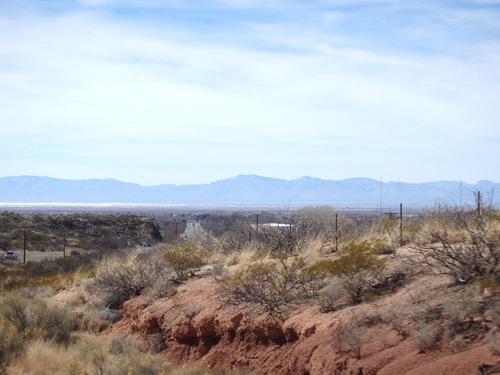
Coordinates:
164 92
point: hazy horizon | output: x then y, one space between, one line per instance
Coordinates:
259 176
162 92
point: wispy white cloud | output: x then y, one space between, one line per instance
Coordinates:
134 90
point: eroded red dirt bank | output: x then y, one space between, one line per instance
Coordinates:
196 327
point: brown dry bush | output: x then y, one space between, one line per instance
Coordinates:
34 319
273 284
23 320
11 343
494 342
348 337
397 317
467 249
427 335
117 280
330 296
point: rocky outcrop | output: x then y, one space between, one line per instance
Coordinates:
196 327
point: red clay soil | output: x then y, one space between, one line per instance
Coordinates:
196 326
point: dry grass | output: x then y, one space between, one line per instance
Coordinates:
97 354
90 354
417 308
41 358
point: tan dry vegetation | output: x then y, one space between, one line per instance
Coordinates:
172 315
408 331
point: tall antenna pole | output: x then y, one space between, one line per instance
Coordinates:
381 196
460 192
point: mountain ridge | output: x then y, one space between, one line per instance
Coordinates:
241 189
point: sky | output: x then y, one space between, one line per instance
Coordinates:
191 92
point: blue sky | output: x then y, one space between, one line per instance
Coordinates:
186 92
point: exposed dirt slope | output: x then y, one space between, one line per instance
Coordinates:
196 326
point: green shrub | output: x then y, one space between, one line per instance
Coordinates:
186 259
357 266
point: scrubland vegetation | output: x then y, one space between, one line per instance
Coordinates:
315 255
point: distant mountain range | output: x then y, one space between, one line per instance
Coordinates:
244 190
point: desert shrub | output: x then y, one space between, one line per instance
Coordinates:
40 358
468 252
466 307
54 273
272 284
94 320
234 231
34 319
435 219
110 315
119 280
50 322
295 232
397 318
275 239
426 336
161 288
458 343
493 311
121 355
386 235
186 259
348 337
330 296
357 266
494 342
319 223
11 342
13 309
46 267
23 320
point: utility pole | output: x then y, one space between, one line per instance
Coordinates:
336 232
257 224
478 203
64 241
401 224
24 244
